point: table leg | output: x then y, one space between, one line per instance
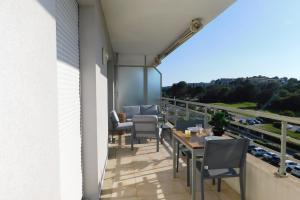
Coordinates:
193 185
174 156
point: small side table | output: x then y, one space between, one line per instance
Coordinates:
166 129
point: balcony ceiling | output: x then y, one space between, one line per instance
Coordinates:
147 27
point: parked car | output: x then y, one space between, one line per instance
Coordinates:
275 160
242 121
290 165
258 152
250 121
268 156
259 119
298 130
296 171
289 126
250 147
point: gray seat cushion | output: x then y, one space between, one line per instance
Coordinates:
215 173
124 126
149 110
130 111
114 116
145 118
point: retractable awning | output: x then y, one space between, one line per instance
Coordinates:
154 28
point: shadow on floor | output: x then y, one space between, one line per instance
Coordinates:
146 174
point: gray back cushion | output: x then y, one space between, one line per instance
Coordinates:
130 111
149 109
114 118
145 123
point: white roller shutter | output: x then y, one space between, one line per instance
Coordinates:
68 98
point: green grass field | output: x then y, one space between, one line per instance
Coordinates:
241 105
271 128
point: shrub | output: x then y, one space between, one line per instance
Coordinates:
297 156
288 113
277 125
260 142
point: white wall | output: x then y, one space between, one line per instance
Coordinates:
93 36
29 157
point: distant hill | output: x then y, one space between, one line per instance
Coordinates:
277 94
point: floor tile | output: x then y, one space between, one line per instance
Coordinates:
144 174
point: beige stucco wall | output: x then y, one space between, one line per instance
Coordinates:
261 183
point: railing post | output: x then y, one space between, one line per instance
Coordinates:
175 122
166 110
214 111
187 113
174 101
282 171
205 125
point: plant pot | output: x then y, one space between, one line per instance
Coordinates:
218 132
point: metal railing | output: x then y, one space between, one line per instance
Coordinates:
184 106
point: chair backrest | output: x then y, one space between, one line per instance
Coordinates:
225 153
145 123
114 118
149 110
130 111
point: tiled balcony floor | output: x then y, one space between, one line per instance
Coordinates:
144 174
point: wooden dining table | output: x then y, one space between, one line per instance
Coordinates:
195 144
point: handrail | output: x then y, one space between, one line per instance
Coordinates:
262 131
283 119
272 116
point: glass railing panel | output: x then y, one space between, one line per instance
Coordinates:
154 86
129 78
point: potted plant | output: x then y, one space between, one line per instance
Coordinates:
218 122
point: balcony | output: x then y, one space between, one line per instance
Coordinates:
93 56
146 174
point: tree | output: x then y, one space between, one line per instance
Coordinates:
180 89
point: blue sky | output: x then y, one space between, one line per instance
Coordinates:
252 37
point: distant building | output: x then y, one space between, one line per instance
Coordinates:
223 81
194 85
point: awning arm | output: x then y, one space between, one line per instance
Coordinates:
195 26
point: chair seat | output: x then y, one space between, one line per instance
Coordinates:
216 173
124 126
186 152
149 134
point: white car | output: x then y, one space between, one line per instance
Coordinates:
290 165
268 156
296 171
289 126
258 152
